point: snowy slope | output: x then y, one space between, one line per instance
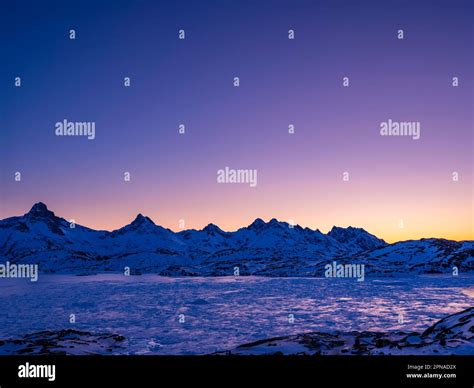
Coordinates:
428 255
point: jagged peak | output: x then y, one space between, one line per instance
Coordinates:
350 230
140 219
39 206
212 228
347 228
360 236
39 209
257 224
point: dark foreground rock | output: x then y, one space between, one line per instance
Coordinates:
62 342
452 335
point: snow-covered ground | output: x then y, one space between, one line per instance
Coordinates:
453 335
221 313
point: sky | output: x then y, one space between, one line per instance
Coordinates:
282 82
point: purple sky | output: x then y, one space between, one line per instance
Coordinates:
283 82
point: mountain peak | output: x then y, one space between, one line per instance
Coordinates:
40 210
40 213
140 219
274 222
257 224
352 229
212 228
357 236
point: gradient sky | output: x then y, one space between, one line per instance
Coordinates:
282 81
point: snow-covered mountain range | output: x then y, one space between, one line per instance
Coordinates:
271 248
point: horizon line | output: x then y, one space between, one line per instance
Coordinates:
295 225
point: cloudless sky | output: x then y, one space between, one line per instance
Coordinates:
283 82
